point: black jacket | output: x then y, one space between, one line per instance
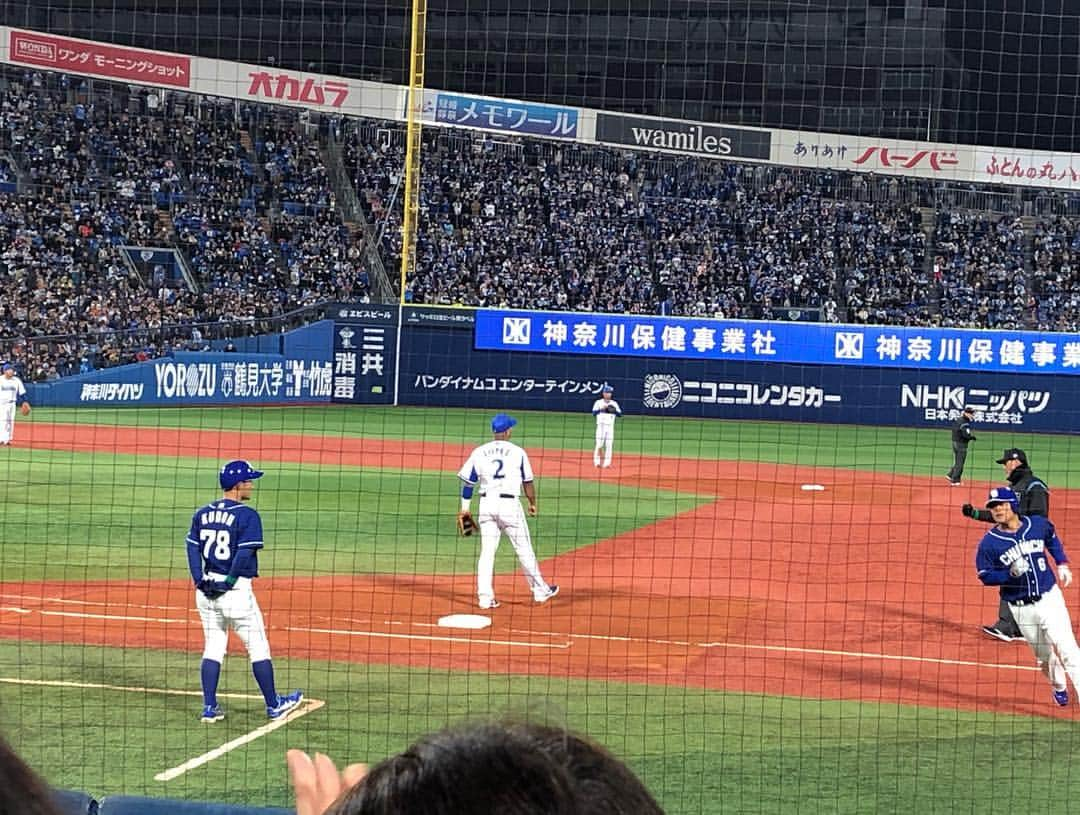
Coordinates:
1034 495
961 431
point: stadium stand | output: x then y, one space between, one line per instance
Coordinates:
244 193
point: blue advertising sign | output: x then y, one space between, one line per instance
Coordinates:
674 338
505 116
440 369
190 378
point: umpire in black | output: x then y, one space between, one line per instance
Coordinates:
1034 498
961 436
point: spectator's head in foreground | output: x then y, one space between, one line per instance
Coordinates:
500 769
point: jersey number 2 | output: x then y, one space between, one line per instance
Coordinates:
499 469
218 540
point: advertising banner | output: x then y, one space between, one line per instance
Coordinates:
364 362
98 59
438 368
503 115
873 155
677 136
675 338
190 378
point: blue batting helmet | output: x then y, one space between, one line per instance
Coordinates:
236 471
1003 495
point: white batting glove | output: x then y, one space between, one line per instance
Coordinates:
1019 566
1065 574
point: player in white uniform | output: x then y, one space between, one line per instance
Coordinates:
606 410
502 470
12 391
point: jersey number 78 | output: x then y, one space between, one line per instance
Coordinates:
219 540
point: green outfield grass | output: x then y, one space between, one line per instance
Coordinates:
698 751
888 449
79 514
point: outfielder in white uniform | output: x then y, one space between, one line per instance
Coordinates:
502 470
12 391
606 410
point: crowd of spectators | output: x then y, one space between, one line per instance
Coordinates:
520 223
1056 273
99 171
244 193
980 267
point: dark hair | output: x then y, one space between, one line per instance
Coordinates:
499 769
22 792
604 784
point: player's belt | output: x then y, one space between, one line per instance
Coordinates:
501 495
1027 601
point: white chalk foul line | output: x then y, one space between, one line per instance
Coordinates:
85 615
61 683
74 602
429 637
305 707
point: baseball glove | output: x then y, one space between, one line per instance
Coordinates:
25 408
465 523
609 409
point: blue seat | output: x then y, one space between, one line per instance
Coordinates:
137 805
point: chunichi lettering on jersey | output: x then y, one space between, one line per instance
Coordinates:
1021 549
217 517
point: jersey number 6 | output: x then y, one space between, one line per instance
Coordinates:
219 540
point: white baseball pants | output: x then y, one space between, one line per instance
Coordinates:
498 515
605 439
236 609
7 422
1048 630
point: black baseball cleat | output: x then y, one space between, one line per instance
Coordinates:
998 634
1062 697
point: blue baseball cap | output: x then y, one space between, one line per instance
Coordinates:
607 388
1002 495
502 422
236 471
8 366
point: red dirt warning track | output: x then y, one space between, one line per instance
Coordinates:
865 590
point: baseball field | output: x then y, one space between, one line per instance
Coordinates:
757 617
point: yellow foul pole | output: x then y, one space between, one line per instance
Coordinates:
414 119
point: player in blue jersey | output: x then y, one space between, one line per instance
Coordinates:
1012 555
222 548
